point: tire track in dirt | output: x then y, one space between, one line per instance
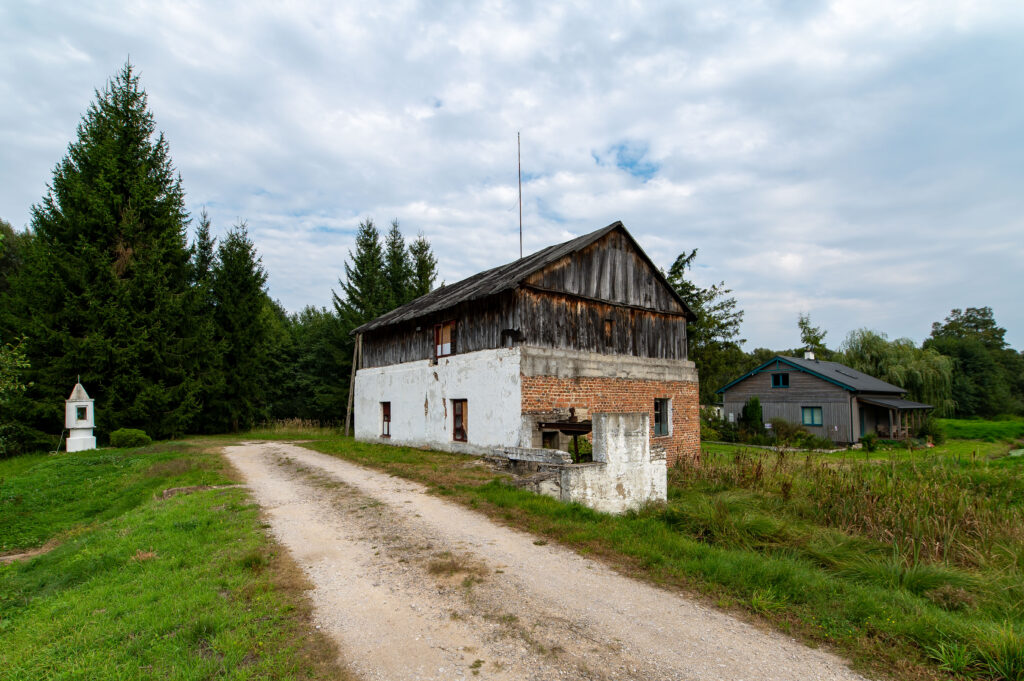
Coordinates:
416 587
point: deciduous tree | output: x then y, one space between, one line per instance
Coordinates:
714 343
926 374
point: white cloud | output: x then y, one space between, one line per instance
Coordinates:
850 159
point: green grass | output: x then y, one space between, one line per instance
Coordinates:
138 586
983 429
910 563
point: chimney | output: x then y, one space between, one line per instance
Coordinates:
808 354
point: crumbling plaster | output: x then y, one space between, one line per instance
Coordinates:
420 393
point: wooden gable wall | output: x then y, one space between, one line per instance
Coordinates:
612 270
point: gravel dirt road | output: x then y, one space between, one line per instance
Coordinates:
416 587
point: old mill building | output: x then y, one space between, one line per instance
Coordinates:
476 366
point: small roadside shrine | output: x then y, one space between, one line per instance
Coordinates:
79 419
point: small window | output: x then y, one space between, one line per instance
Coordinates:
780 380
459 420
385 411
549 439
810 416
444 339
662 415
82 413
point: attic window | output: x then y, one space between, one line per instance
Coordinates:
780 380
444 339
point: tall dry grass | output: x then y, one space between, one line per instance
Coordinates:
963 513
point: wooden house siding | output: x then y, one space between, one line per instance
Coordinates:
609 270
478 326
563 321
804 390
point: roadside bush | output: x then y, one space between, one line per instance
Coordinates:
129 437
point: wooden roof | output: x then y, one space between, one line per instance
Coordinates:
505 278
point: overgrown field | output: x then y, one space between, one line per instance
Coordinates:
139 586
910 563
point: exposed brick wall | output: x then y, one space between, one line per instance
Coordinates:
547 393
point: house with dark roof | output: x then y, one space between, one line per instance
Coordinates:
522 354
827 398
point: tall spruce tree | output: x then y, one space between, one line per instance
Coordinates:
242 313
207 351
101 291
364 293
397 268
424 267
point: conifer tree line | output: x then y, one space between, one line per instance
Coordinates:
168 335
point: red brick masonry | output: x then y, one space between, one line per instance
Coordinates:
547 393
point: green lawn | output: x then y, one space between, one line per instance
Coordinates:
142 587
983 429
910 564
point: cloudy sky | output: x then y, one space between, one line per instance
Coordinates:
861 160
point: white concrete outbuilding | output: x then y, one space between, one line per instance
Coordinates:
80 419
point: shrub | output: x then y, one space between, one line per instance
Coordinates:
707 432
870 441
129 437
787 432
931 428
751 418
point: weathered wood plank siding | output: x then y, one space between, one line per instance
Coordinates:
478 326
563 321
610 270
804 390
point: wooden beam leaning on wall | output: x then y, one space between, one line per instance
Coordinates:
357 355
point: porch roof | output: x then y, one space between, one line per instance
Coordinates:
892 402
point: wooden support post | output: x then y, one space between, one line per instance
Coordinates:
357 356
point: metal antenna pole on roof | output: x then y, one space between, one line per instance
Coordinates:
519 161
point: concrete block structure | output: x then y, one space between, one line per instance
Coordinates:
80 419
491 362
624 474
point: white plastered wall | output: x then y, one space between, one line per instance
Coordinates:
421 392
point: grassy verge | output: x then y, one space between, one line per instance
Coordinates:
911 567
141 586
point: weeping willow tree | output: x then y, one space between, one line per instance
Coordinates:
926 375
